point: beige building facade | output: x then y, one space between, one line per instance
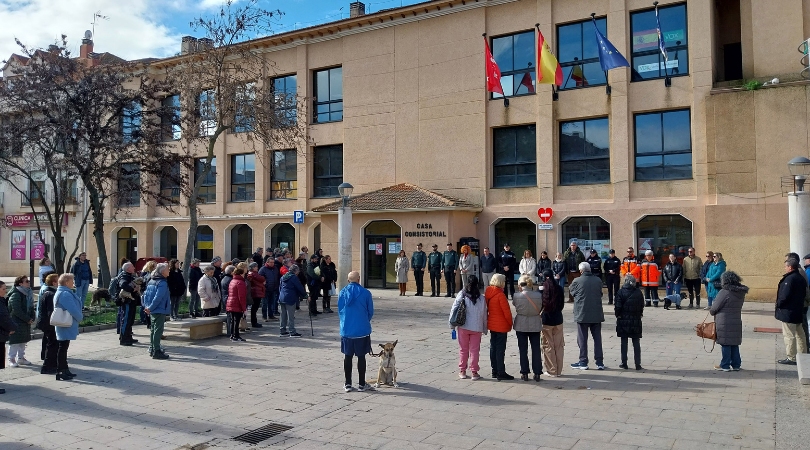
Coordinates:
674 156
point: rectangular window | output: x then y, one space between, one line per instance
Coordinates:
514 156
35 194
131 118
170 118
170 186
585 152
69 190
646 59
244 118
579 55
328 95
285 100
663 146
284 175
515 55
208 188
129 185
12 143
328 171
207 112
243 177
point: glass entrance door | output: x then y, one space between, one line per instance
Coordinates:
375 262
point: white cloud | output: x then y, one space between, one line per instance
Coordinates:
132 30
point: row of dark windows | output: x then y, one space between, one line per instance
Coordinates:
663 150
578 52
327 175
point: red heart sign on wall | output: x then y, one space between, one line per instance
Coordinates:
545 214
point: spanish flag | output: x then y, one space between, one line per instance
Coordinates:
549 70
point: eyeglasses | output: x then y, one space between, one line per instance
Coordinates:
26 281
714 257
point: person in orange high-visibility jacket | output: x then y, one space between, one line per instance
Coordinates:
630 265
650 274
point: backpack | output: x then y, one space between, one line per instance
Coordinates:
114 289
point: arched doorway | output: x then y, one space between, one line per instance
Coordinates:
520 234
204 251
127 246
591 232
241 242
168 243
664 234
282 235
382 243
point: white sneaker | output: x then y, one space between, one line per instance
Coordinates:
365 387
13 363
348 387
23 362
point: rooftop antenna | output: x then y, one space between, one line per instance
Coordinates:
97 15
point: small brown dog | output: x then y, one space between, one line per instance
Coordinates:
387 374
98 296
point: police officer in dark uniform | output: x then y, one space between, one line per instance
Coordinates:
612 268
508 265
449 267
596 263
435 268
418 261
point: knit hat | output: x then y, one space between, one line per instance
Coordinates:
216 259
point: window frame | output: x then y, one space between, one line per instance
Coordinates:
581 62
670 48
129 197
515 163
206 111
584 122
170 120
316 102
131 122
331 186
663 152
172 186
283 116
291 191
244 120
516 73
209 194
249 186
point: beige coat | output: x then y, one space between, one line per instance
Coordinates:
402 266
208 292
527 318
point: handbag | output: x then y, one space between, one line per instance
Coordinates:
707 330
61 317
717 285
459 316
332 290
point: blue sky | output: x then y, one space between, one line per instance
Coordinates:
145 28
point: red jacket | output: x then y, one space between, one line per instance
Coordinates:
649 273
237 295
257 287
499 316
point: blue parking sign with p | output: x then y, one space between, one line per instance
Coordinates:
298 216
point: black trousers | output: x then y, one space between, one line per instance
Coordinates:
61 355
693 286
450 279
524 340
651 293
127 320
210 312
612 282
582 340
636 350
326 299
436 281
235 318
51 347
509 287
254 309
806 335
497 352
361 369
419 276
313 298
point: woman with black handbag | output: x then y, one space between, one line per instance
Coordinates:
473 326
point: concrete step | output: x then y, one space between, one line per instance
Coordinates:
803 364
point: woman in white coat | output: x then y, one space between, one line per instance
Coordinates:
528 265
209 292
401 267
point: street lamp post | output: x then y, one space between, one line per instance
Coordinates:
799 206
344 235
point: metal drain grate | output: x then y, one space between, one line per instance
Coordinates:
263 433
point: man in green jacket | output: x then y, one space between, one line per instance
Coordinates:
449 266
435 268
418 261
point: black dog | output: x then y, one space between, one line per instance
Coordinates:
99 295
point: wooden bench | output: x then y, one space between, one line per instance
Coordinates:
200 328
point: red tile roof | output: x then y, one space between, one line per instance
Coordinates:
402 196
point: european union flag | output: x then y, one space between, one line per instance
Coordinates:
609 57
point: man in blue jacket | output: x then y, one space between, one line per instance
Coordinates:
82 275
355 309
157 304
271 289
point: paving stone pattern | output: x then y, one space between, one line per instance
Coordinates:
211 391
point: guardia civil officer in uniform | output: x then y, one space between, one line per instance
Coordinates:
418 261
449 266
435 268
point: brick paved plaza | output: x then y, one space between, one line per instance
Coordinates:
213 390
